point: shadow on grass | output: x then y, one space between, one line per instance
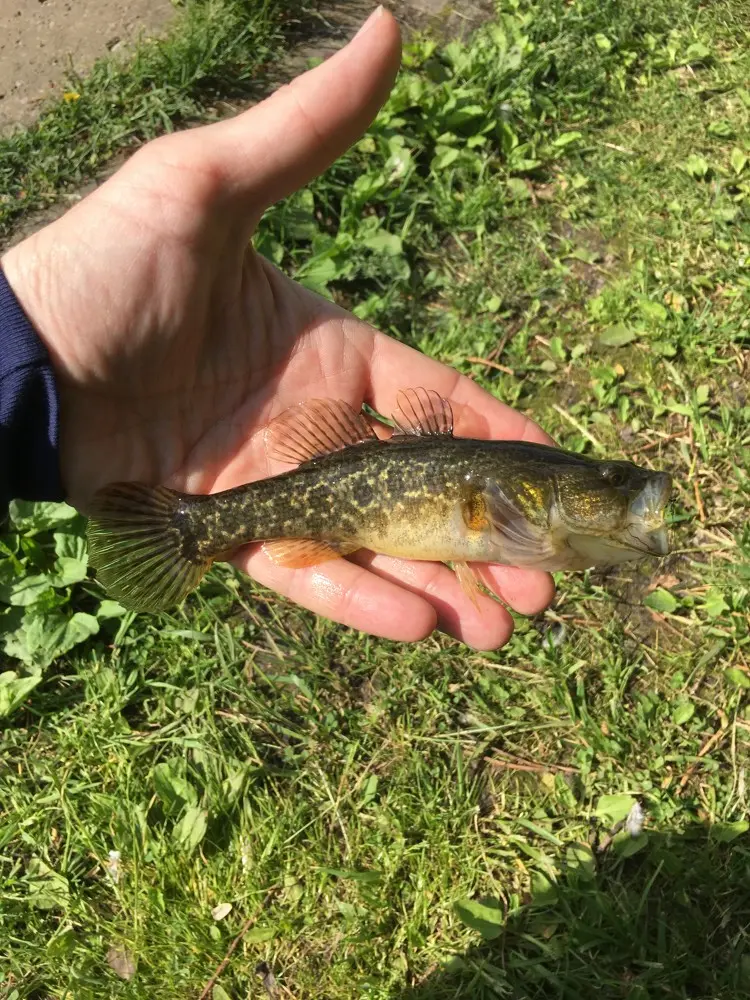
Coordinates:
672 920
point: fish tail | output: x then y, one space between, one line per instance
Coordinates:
141 547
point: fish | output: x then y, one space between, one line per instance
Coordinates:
423 493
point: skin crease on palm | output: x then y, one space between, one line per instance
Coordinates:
175 344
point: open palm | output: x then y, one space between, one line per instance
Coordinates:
175 343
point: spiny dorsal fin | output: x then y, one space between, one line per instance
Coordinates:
315 428
422 411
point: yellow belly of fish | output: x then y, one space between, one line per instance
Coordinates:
438 536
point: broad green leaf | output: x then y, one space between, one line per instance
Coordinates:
661 600
722 128
43 637
603 43
68 571
580 859
110 609
71 545
697 52
653 310
354 875
14 690
487 919
25 590
614 808
617 335
696 166
171 785
683 713
543 890
625 846
468 113
737 677
259 934
444 156
738 160
566 138
191 829
383 242
518 189
398 164
30 516
714 604
725 833
316 274
47 889
370 790
219 993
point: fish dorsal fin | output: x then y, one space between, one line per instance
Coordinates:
421 412
315 428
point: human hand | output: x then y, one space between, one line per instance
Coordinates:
175 343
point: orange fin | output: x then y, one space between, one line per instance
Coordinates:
315 428
422 411
469 581
298 552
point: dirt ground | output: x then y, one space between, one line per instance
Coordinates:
41 39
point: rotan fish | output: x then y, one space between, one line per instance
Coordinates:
422 494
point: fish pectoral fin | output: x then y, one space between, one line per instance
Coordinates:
421 412
518 540
470 582
296 553
138 547
314 428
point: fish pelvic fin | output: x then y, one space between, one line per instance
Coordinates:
314 428
139 548
421 412
470 584
299 552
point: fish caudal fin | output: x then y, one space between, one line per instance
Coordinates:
138 548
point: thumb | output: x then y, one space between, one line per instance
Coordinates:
281 144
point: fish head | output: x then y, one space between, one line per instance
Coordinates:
611 511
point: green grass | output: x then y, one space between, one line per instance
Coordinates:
425 822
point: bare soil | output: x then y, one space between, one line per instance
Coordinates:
42 40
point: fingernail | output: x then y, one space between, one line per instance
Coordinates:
370 20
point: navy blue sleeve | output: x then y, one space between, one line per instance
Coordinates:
29 410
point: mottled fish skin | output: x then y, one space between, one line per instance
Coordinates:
366 493
408 497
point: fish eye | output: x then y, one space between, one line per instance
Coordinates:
613 475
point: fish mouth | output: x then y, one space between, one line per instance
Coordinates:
646 531
648 505
652 543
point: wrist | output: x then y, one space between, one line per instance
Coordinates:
29 406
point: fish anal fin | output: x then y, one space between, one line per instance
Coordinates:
296 553
470 582
314 428
421 412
